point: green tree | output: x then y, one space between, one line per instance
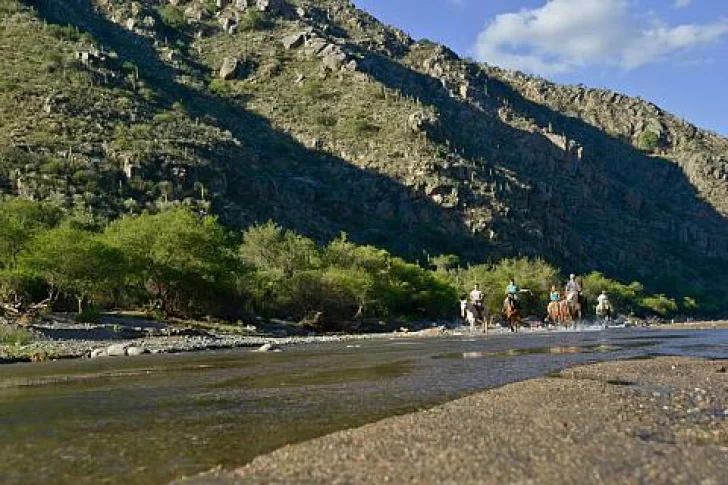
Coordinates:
74 262
445 262
660 304
278 252
185 262
20 221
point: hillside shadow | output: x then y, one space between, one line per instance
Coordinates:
270 175
605 206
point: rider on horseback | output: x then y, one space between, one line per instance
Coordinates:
573 288
604 307
476 298
512 291
555 295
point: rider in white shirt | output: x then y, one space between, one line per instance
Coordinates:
476 296
603 301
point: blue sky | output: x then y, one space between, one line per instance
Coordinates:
671 52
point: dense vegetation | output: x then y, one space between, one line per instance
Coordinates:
178 262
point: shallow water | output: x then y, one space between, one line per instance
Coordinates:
154 418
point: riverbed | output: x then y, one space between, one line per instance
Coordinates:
154 418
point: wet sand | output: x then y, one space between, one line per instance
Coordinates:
642 421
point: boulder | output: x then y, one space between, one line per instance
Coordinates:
229 68
133 351
267 348
272 6
315 45
334 62
329 50
434 331
420 121
228 23
116 350
293 41
95 353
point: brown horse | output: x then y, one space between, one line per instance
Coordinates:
574 304
512 314
558 312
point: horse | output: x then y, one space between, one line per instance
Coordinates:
575 304
604 312
512 314
558 312
472 314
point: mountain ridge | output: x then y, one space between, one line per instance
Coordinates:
329 121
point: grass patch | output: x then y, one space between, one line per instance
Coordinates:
14 336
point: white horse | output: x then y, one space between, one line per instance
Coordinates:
471 315
604 312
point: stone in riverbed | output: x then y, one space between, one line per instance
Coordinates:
267 348
116 350
95 353
133 351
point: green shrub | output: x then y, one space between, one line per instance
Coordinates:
255 20
8 85
165 117
64 32
649 140
172 16
361 126
211 7
10 335
316 90
220 87
660 304
325 120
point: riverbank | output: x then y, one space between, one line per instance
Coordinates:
59 336
663 420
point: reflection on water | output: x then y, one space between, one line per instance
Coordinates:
542 350
154 418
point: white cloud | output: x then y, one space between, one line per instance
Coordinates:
565 35
682 3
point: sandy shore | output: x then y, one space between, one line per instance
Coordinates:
642 421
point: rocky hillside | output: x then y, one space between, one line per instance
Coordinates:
314 114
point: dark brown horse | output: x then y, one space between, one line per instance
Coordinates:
512 314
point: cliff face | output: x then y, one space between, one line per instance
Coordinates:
316 115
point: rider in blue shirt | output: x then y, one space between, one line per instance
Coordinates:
512 291
555 295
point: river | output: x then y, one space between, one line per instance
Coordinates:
150 419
